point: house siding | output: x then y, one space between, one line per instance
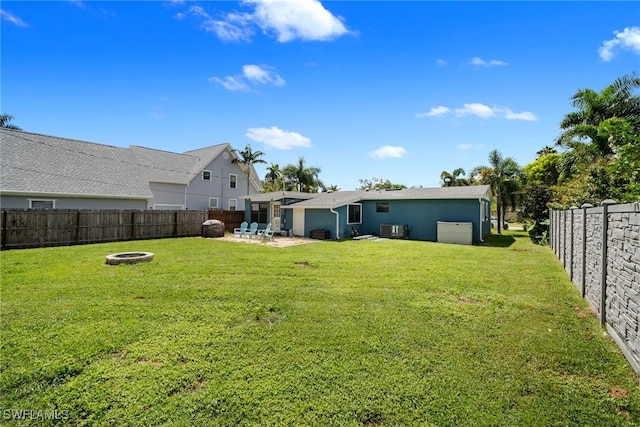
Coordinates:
422 216
74 202
324 219
199 191
167 194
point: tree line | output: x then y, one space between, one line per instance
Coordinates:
596 157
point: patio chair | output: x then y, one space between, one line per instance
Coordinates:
253 230
244 229
266 233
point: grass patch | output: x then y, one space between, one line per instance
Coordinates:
351 333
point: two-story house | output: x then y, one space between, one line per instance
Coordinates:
41 171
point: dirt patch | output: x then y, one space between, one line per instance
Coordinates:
584 313
277 242
618 392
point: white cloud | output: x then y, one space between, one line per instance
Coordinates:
441 62
233 27
280 139
262 74
480 110
232 83
525 115
297 19
287 20
475 109
388 151
435 111
252 75
479 62
627 39
8 16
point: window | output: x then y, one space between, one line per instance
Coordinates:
382 207
233 203
355 214
233 180
259 212
213 203
206 175
42 204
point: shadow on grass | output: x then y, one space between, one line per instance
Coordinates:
498 241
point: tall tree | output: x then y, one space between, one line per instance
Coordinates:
503 177
602 137
247 158
303 177
452 179
581 128
273 178
5 122
379 184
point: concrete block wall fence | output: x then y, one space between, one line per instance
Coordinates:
599 248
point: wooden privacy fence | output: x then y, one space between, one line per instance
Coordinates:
599 248
29 228
231 219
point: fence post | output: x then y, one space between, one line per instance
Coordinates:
133 225
584 247
564 239
78 226
4 229
603 263
573 208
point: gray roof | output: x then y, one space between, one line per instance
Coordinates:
340 198
41 164
280 195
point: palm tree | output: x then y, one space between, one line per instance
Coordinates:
332 188
616 100
274 177
247 158
302 177
5 122
502 176
546 150
452 180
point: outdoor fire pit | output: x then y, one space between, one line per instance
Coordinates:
129 258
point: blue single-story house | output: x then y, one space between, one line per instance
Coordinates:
412 213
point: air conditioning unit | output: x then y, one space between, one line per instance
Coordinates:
394 231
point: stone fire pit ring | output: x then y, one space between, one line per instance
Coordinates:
129 258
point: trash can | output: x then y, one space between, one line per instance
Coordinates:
213 228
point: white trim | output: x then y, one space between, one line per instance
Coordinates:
235 204
217 204
53 203
235 181
206 171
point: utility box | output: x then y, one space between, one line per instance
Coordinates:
455 232
319 234
394 231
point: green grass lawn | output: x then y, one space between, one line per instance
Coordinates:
331 333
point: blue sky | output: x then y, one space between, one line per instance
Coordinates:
393 90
